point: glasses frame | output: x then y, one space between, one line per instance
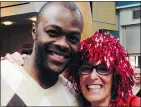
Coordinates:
93 67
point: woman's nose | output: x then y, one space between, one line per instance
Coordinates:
93 74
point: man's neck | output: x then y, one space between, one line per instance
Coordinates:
44 80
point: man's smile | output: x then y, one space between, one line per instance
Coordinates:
58 56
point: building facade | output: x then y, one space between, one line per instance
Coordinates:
128 23
103 15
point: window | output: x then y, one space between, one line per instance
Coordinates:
136 14
139 60
135 60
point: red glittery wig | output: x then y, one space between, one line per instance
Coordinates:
102 48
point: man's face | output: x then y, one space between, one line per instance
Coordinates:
58 37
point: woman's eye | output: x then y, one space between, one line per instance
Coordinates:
102 68
86 68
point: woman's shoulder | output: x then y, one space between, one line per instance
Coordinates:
134 101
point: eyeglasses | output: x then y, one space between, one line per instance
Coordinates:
101 69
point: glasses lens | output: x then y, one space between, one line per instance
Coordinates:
102 70
85 69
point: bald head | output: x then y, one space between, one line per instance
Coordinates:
70 6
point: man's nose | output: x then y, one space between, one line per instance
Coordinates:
62 44
93 74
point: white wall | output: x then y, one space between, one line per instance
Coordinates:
129 29
132 39
126 16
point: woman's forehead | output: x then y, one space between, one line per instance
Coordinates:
89 62
137 70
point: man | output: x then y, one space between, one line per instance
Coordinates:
56 36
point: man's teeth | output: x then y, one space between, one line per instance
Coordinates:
94 86
57 56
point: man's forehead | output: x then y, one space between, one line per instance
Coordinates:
60 7
51 9
57 17
55 12
60 19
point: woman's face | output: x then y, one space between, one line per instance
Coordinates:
137 75
95 86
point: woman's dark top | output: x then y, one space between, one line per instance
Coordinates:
139 93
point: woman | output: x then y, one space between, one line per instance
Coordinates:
137 82
104 77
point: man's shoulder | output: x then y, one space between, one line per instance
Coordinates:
68 85
10 68
71 95
10 80
7 64
11 72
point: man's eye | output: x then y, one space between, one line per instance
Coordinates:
73 39
52 33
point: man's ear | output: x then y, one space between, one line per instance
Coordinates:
34 31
